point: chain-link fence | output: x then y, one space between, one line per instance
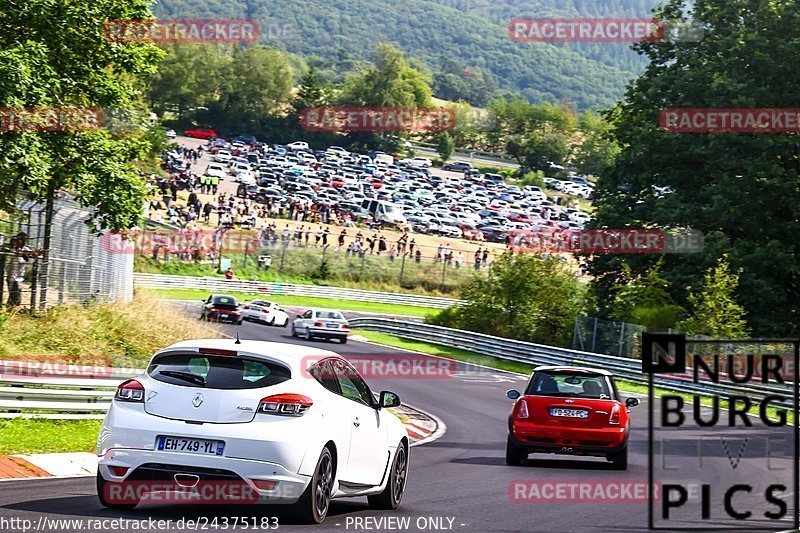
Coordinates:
596 335
302 256
80 267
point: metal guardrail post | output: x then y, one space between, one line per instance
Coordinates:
34 280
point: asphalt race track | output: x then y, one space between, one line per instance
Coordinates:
459 482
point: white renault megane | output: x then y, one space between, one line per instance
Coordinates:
290 424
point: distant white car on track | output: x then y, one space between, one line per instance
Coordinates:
267 312
323 323
291 424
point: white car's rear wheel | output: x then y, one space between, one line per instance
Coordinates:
312 507
392 495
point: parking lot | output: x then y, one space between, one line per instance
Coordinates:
376 190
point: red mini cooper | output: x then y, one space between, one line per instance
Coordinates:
569 410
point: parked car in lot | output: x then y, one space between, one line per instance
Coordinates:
259 421
221 308
298 145
223 156
269 313
321 323
458 166
200 133
216 170
571 411
171 133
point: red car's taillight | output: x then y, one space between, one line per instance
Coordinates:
318 324
345 326
265 310
522 409
285 404
130 391
614 419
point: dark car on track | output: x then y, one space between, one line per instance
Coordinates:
221 308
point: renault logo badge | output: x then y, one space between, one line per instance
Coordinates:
198 400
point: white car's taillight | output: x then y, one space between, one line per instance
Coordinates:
615 415
522 409
285 404
130 391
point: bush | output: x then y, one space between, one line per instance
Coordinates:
528 298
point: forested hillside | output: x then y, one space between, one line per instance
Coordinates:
464 43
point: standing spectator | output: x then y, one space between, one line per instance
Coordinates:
439 252
318 235
459 259
229 273
485 259
325 235
19 254
478 259
341 239
411 245
381 244
417 256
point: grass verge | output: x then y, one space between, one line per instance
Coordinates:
300 301
22 435
111 334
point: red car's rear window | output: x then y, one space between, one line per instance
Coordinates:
570 384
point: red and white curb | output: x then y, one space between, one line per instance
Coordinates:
44 465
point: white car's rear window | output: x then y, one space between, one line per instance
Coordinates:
332 315
217 371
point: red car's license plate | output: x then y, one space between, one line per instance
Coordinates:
569 413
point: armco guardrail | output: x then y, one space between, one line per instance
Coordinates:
538 354
59 397
164 281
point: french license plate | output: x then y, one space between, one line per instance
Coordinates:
331 326
223 315
569 413
195 446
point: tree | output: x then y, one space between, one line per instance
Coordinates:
716 312
190 76
740 189
71 64
597 148
311 92
445 146
257 90
527 297
392 82
645 300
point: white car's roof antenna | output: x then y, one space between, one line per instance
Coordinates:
237 339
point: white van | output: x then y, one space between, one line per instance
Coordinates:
383 211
